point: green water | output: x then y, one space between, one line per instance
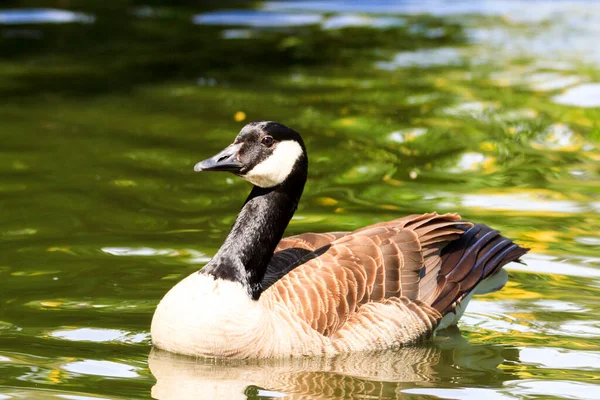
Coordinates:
489 111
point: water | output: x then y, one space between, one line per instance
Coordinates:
485 108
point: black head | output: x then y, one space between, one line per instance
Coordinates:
264 153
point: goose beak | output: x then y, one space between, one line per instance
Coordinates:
226 160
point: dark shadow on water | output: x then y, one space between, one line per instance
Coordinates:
449 361
121 49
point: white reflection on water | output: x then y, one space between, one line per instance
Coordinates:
256 18
354 20
557 136
462 393
191 256
513 10
100 335
469 162
474 109
434 7
547 357
406 135
584 329
587 95
539 81
102 368
556 82
441 56
518 389
78 397
42 16
46 394
558 305
555 388
588 240
267 19
546 264
521 202
137 251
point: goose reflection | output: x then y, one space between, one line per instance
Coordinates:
379 374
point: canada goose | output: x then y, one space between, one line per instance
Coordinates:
381 286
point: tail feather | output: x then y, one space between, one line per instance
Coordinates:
478 254
472 257
455 251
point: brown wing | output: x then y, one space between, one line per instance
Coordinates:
395 259
309 241
295 250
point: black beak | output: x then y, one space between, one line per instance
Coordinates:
227 160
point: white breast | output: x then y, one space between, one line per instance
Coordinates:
202 316
205 316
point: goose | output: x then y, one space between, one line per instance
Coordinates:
380 287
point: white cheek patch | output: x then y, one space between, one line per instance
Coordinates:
277 167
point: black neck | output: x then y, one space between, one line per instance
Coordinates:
257 230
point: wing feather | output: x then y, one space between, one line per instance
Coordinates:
427 263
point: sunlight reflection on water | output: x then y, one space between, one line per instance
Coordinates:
256 18
517 389
100 335
102 368
513 10
42 16
546 357
354 20
521 202
190 255
462 393
547 264
587 95
423 58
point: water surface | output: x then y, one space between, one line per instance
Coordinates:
489 109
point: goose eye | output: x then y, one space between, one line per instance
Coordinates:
267 141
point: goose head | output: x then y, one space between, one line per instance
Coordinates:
264 153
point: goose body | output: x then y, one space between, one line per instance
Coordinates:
381 286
